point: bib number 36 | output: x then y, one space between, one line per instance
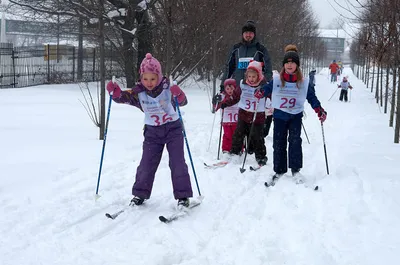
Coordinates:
159 120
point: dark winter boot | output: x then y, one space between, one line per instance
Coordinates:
262 161
183 202
274 179
297 176
137 200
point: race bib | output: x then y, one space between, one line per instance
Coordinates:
244 62
231 114
289 98
159 110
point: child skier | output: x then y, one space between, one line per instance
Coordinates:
289 92
345 85
154 96
230 114
249 108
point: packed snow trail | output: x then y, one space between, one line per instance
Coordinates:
49 162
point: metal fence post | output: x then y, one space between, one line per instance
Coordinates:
48 63
73 64
94 65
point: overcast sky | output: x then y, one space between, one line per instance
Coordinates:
326 13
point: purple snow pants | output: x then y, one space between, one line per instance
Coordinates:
155 137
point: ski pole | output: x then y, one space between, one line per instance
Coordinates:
104 141
350 96
242 169
304 128
220 133
333 94
187 143
212 129
326 157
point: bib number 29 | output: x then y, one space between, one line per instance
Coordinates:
288 103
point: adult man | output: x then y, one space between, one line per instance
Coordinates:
241 54
334 71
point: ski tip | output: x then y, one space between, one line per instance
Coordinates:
163 219
316 188
266 184
109 216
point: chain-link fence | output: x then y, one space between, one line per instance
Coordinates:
52 64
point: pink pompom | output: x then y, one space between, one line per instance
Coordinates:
148 56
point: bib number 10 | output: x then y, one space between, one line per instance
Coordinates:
288 103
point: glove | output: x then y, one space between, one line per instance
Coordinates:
321 113
259 93
223 105
216 99
175 90
350 87
221 88
114 89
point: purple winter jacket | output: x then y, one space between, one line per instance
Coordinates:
131 97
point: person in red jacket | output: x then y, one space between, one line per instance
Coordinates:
229 114
334 67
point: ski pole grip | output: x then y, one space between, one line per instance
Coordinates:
114 80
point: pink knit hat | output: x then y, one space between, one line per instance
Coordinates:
151 65
230 81
256 66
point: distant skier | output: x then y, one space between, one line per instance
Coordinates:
334 67
155 97
230 114
345 85
249 106
289 92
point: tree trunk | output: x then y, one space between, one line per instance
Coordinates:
397 127
393 100
143 36
381 87
386 89
80 51
377 84
102 76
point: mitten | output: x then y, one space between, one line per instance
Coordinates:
177 92
259 93
321 113
216 99
350 87
114 89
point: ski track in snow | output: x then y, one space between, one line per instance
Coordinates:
51 216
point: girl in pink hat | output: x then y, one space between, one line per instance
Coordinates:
155 97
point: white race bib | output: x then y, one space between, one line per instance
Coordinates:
248 101
159 110
289 98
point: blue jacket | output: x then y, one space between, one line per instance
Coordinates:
278 114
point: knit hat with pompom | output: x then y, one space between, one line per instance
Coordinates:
291 55
230 81
152 66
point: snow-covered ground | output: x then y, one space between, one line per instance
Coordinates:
49 161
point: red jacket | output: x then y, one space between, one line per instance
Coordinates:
245 116
334 68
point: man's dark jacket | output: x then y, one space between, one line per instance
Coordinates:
244 49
